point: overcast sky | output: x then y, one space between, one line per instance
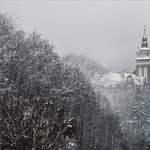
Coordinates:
109 32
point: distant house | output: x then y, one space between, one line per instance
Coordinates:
120 86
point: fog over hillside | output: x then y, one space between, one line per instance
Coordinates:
105 31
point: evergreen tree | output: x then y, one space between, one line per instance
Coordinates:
138 109
148 98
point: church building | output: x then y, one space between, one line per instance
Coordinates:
143 59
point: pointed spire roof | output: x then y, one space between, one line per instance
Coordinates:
144 30
144 39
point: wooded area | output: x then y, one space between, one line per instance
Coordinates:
47 103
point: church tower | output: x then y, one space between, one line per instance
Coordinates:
143 59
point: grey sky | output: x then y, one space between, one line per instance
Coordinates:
106 31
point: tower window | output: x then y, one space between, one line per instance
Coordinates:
145 72
140 72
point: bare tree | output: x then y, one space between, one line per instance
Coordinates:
33 124
92 70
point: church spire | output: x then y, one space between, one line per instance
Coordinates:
144 39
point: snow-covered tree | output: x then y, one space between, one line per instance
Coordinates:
148 99
28 64
136 127
32 124
138 108
92 70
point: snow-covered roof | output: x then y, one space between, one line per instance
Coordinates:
143 58
113 79
138 80
144 49
110 79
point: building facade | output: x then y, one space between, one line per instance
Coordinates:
143 59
